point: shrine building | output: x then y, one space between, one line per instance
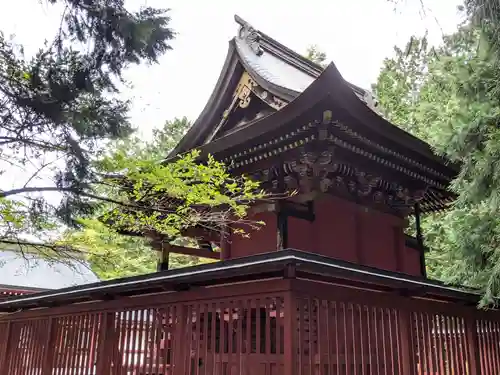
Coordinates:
298 127
330 285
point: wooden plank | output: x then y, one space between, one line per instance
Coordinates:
4 361
290 340
106 344
407 359
202 253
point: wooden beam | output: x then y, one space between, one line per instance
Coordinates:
262 207
202 253
304 211
201 233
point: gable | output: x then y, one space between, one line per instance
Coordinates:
249 102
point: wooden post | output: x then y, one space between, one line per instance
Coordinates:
225 245
282 224
420 241
105 346
49 350
163 257
474 364
181 349
359 213
408 362
4 362
289 339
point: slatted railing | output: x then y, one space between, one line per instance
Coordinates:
346 331
279 327
224 330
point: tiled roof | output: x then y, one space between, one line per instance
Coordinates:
31 271
273 69
279 65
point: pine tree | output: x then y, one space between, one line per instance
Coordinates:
58 108
450 101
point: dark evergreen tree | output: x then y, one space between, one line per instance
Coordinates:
448 96
59 107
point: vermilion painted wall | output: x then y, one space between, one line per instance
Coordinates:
342 230
259 241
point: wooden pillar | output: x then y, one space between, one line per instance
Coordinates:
290 339
359 213
181 353
420 241
474 363
399 251
163 257
408 361
4 360
105 346
225 245
49 349
282 225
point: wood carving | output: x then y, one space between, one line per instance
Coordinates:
250 36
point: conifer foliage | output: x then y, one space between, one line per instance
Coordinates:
57 108
449 96
60 118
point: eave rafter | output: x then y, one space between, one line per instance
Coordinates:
328 156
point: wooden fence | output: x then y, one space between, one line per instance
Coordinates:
274 327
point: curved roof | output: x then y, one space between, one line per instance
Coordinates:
330 86
309 90
276 68
29 271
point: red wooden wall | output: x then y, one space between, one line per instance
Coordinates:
341 230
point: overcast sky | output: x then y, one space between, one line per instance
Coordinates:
355 34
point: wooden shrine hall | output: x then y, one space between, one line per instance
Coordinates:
329 286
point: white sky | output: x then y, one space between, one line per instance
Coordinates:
355 34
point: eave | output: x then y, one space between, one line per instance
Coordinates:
15 290
239 58
269 265
330 89
293 58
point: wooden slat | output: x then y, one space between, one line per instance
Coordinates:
326 329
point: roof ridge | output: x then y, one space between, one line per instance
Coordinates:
255 36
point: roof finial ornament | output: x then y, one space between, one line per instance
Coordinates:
249 35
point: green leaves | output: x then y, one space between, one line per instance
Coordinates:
144 195
449 97
169 197
317 56
59 110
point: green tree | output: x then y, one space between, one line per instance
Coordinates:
454 106
59 116
111 255
185 182
59 107
317 56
